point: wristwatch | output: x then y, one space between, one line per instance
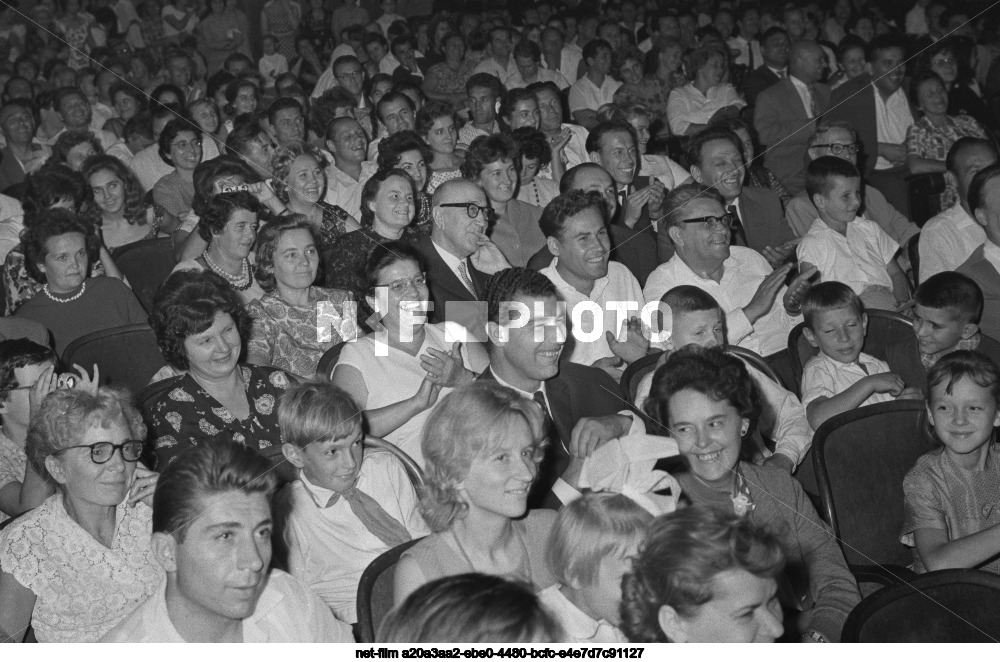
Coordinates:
815 637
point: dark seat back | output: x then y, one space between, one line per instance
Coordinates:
913 253
947 606
634 373
126 355
328 361
146 264
375 591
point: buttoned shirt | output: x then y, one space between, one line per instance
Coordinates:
517 235
468 133
687 105
892 119
824 377
947 240
491 66
544 75
858 258
569 63
342 190
742 274
585 95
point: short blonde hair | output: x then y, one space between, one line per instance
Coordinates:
589 529
315 410
466 424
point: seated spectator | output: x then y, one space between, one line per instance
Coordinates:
593 542
199 322
952 236
398 389
774 48
251 143
493 162
214 593
536 154
346 176
350 503
72 148
840 140
852 59
300 183
527 56
930 137
294 323
471 608
75 566
642 89
944 531
406 151
445 81
698 387
59 247
703 575
706 98
571 139
483 93
482 446
519 109
125 218
757 174
841 377
242 97
662 167
983 266
180 147
964 94
437 124
229 226
846 247
23 155
596 87
947 310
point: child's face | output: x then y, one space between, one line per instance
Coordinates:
839 333
604 597
704 328
940 329
963 419
332 463
269 46
842 202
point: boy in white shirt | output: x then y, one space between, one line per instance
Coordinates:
846 247
272 64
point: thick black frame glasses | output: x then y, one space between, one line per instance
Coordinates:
103 451
837 149
713 222
471 208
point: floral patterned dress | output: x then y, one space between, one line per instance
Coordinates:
926 140
186 414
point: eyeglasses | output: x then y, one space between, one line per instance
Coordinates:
103 451
471 208
350 74
187 144
838 149
713 222
398 287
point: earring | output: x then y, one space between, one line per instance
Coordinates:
746 427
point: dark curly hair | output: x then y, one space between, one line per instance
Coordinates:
52 223
372 187
267 241
505 285
485 150
220 209
67 141
207 173
135 207
682 553
50 186
391 149
512 98
566 205
532 144
431 111
186 304
174 128
709 371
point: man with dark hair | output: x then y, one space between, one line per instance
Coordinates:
596 88
528 57
251 143
559 57
286 121
403 48
983 266
484 92
499 63
775 45
74 108
212 535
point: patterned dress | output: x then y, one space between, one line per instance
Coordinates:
925 140
449 81
13 462
186 415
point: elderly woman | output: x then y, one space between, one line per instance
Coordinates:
58 249
406 151
704 576
72 148
229 225
493 162
294 323
125 218
180 147
707 400
200 324
536 153
300 182
930 137
482 445
396 390
81 562
694 106
437 123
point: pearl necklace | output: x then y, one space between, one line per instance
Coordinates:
83 288
239 283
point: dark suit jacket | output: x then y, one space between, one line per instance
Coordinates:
903 358
10 170
635 247
783 127
979 269
446 289
756 82
577 392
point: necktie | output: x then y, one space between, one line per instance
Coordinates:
463 271
812 101
783 73
622 199
383 525
737 234
550 427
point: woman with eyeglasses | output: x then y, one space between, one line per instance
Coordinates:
81 562
180 147
397 374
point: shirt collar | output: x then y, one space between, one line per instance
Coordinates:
526 394
561 284
452 261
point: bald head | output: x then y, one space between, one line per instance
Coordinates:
806 61
454 230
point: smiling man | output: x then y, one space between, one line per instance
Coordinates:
346 176
484 92
212 536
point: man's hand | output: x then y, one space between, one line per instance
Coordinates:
657 194
798 287
776 255
489 259
634 204
634 344
589 434
910 393
887 382
611 365
766 293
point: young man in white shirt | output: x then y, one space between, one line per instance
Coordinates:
594 89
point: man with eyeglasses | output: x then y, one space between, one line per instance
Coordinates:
458 254
838 139
739 278
346 176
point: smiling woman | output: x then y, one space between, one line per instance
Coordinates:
118 196
180 147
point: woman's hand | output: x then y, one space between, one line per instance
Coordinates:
85 383
47 382
265 195
143 486
445 368
426 395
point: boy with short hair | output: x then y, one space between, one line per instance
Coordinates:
846 247
697 318
349 504
946 319
842 377
272 63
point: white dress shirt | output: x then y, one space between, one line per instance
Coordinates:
805 93
569 63
544 75
947 240
824 377
892 119
585 95
858 258
491 66
342 190
687 105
